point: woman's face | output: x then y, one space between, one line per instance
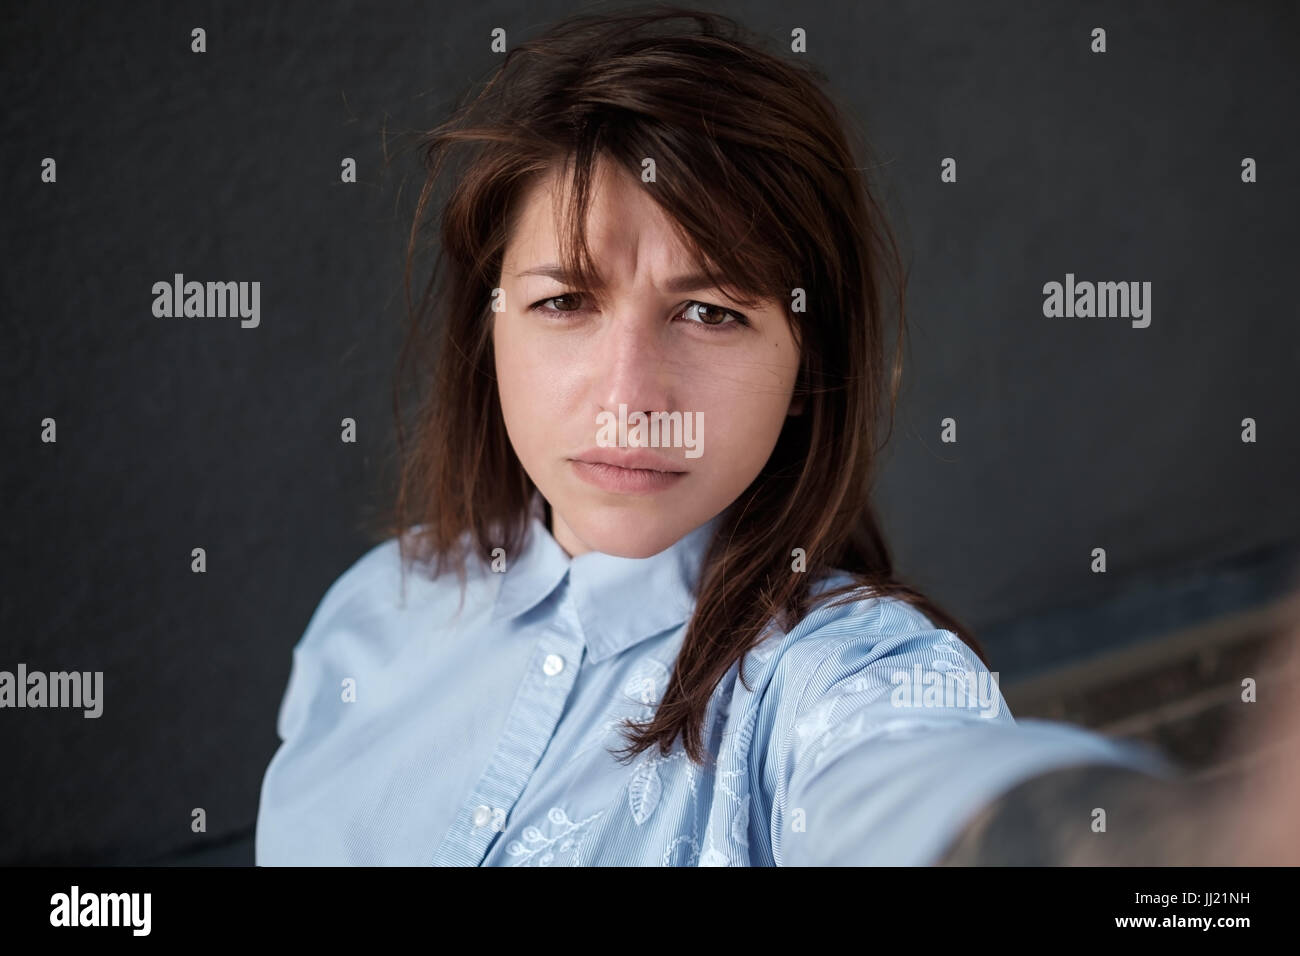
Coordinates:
568 358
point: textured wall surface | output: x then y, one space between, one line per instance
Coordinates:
173 433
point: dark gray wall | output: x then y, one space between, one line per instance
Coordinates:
183 433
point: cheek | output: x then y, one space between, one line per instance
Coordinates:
744 431
531 385
744 410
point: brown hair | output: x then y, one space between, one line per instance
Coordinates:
755 168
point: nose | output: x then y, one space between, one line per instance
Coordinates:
633 367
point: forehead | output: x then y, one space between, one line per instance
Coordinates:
625 228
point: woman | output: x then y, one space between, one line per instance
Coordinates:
679 648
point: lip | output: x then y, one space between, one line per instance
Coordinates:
628 471
636 458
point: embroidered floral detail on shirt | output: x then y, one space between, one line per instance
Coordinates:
737 831
672 845
641 692
683 838
862 726
644 790
740 822
715 857
647 682
538 849
645 786
954 666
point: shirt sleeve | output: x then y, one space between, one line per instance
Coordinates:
318 651
900 735
305 671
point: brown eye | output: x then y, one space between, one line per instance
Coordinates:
713 316
544 305
571 297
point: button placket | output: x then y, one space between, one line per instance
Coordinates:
532 722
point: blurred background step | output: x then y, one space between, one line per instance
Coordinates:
1181 692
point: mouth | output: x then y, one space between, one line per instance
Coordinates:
626 479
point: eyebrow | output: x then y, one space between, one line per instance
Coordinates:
692 282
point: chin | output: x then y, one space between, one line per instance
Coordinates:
627 532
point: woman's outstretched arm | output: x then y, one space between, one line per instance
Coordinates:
871 778
889 736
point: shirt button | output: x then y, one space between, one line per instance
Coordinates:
482 814
553 664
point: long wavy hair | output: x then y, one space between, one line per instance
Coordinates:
755 168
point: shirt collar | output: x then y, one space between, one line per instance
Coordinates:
619 601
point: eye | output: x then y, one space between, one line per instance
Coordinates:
571 297
706 314
716 315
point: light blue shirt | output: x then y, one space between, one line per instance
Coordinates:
413 735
